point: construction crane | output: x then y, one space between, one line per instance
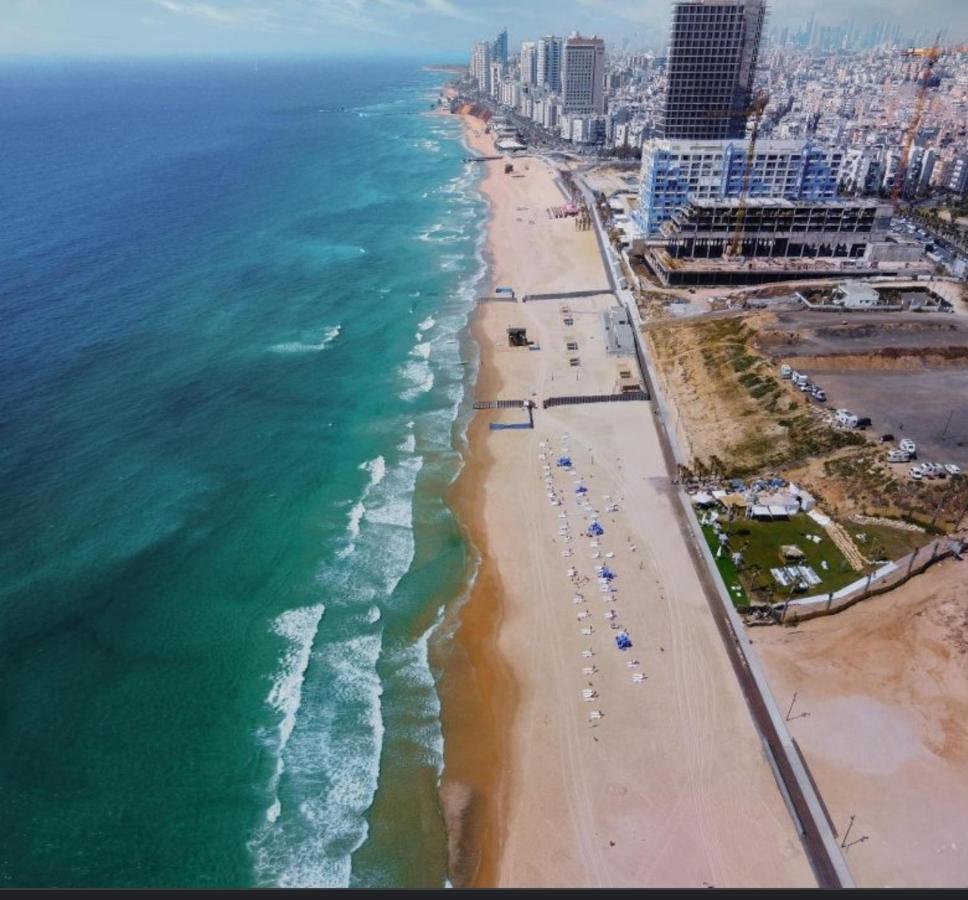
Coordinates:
755 111
930 55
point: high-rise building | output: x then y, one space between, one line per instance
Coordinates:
500 53
529 62
548 71
956 175
481 66
583 75
712 61
497 76
674 172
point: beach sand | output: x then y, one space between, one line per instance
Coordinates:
881 716
670 786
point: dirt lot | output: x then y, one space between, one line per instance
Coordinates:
906 371
805 333
880 715
914 405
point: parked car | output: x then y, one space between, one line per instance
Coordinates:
805 387
886 437
916 473
819 394
952 469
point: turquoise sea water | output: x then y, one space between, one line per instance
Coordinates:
230 301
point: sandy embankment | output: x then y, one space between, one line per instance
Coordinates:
670 786
881 716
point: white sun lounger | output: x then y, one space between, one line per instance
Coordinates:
587 653
589 694
588 631
594 715
589 670
638 678
584 614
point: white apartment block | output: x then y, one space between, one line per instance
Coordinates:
481 66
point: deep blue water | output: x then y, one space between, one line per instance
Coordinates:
230 295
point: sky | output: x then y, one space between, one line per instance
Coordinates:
433 29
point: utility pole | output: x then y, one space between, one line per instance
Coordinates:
946 424
843 843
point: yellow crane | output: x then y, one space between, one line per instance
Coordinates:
755 111
930 55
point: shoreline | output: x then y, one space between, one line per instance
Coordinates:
476 678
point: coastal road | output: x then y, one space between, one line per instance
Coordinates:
788 766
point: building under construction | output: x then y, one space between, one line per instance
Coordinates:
778 240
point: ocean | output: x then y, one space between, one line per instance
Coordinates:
233 297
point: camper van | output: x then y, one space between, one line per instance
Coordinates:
898 456
846 418
785 371
909 447
799 378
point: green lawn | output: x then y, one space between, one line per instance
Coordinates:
727 570
760 543
882 540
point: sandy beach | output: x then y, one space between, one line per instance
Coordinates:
880 713
570 762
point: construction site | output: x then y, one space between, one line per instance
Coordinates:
748 214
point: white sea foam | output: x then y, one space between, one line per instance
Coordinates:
377 469
412 664
332 765
438 233
408 444
427 323
299 628
373 614
419 378
421 350
329 335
